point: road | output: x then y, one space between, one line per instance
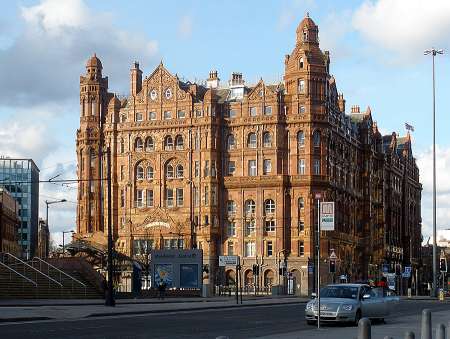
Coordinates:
244 322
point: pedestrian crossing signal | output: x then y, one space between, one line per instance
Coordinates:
332 266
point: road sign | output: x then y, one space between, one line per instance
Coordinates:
318 195
407 269
327 216
228 260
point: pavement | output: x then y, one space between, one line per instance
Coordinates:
34 309
395 328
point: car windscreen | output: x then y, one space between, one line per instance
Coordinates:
348 292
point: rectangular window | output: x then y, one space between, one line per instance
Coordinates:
206 169
167 115
267 166
301 248
196 168
231 167
149 196
317 166
198 113
301 109
213 195
267 110
167 244
139 198
269 251
152 115
250 249
91 186
122 172
139 116
197 142
270 225
250 228
232 113
180 197
206 220
213 168
231 229
181 114
230 249
169 197
301 226
206 196
301 166
252 111
252 168
301 86
122 198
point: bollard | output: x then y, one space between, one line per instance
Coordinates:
440 331
409 335
364 331
426 324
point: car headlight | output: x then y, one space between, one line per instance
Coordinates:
347 307
309 306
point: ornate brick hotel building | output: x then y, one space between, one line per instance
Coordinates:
235 170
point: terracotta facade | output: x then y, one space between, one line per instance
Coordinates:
235 170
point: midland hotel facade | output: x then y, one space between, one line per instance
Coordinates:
234 170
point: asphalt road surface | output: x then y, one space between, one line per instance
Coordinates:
245 322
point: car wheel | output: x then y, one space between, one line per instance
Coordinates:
357 317
310 322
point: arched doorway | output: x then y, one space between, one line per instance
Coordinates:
230 278
269 278
296 282
248 278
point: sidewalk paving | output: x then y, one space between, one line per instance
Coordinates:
55 311
394 328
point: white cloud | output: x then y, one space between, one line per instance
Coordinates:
44 61
425 163
404 27
185 27
333 31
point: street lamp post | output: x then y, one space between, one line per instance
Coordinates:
46 215
433 52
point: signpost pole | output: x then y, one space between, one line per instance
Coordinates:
237 283
318 263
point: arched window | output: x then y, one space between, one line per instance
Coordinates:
149 145
179 142
140 172
169 171
179 171
301 139
138 145
231 143
267 139
251 140
269 206
122 146
250 207
231 207
300 63
150 172
168 143
316 138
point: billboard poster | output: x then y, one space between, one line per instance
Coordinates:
164 273
189 276
327 216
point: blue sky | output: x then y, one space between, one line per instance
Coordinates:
376 56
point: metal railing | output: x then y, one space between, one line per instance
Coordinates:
365 331
12 270
58 272
12 261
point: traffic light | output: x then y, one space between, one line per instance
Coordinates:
332 266
442 265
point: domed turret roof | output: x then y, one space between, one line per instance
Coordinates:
94 62
306 22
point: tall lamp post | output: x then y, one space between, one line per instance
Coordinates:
47 202
433 52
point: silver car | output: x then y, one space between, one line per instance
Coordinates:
349 303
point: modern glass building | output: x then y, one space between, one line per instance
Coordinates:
21 178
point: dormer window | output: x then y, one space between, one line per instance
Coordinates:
305 35
300 63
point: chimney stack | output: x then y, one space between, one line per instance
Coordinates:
356 109
213 80
136 79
